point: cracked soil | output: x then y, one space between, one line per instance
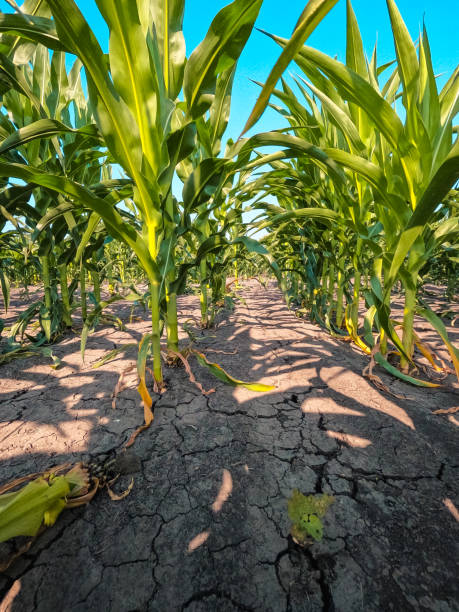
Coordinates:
205 527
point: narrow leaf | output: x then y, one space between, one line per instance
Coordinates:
312 15
220 373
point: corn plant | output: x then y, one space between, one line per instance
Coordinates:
146 128
45 89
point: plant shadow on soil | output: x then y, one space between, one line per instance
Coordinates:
205 526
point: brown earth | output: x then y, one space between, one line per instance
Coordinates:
206 526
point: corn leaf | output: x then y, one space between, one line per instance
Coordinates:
117 226
35 29
167 15
310 18
220 49
438 188
43 128
220 373
24 512
396 372
439 327
133 76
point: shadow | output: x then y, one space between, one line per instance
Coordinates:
206 525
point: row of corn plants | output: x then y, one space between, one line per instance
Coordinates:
365 186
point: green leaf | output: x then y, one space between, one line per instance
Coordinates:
252 245
167 17
113 220
43 128
180 144
22 513
133 76
407 60
35 29
356 61
311 16
15 199
218 52
14 76
323 214
93 221
356 89
305 513
368 326
341 119
114 118
51 215
396 372
220 110
45 321
220 373
439 186
297 145
428 93
202 182
5 283
312 524
355 55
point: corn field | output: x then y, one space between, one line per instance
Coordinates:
120 184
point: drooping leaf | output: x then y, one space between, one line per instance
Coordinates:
5 284
220 373
43 128
439 327
36 29
382 361
147 402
